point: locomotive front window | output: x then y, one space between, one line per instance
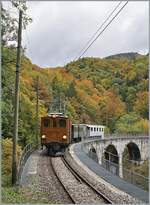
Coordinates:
62 123
54 123
46 123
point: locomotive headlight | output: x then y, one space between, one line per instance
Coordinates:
43 136
64 137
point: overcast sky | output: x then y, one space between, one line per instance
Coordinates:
60 30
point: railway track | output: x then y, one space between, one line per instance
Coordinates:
85 181
77 187
54 171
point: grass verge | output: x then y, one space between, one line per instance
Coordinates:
18 195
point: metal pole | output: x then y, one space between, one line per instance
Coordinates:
63 107
60 104
16 104
132 168
109 161
37 111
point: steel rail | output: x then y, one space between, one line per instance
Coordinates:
71 170
71 198
83 179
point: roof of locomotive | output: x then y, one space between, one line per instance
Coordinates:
54 115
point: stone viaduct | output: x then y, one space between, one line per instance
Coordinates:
112 149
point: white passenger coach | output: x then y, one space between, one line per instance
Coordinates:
83 131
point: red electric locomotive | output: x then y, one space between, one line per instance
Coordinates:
55 133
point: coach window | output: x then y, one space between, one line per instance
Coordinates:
62 123
94 128
46 123
99 129
91 128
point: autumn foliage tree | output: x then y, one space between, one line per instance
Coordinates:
141 104
112 108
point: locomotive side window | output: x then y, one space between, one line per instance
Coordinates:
46 122
62 123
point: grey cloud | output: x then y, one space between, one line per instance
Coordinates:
60 29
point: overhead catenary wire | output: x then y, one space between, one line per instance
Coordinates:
111 13
102 30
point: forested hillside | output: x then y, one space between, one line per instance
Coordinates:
130 55
112 92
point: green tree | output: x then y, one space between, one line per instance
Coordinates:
9 24
131 123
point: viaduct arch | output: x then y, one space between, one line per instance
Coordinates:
100 149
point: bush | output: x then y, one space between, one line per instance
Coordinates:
7 160
12 195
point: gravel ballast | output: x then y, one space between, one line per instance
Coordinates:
43 185
80 192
